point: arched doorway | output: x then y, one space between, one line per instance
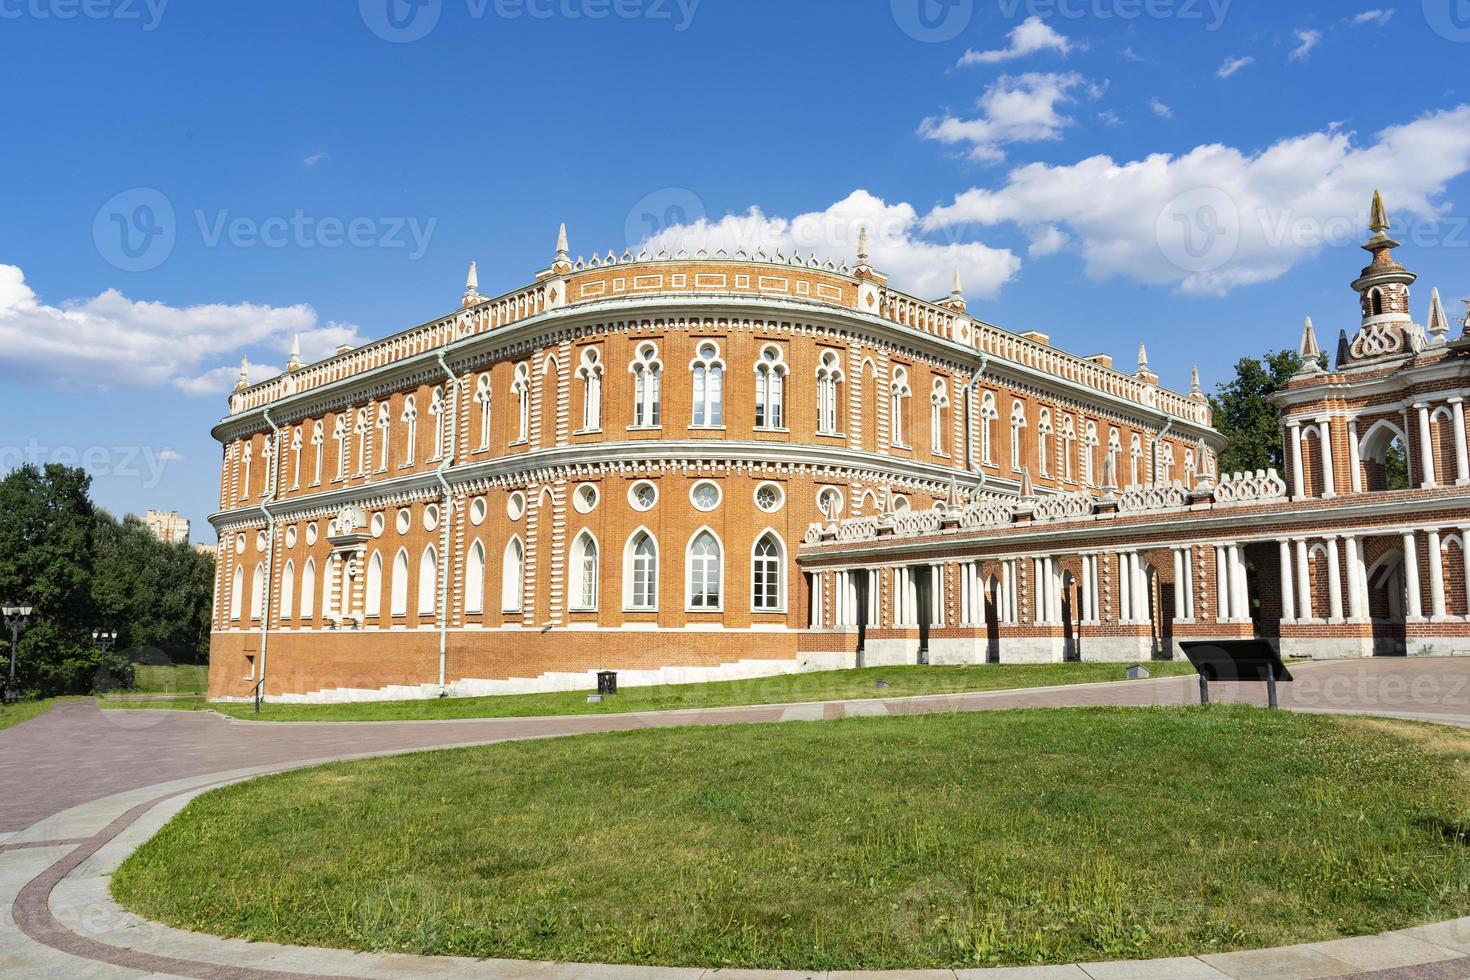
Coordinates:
992 620
1387 602
1384 458
1071 604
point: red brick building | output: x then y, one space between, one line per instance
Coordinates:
689 467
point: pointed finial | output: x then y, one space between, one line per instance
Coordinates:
561 241
1110 472
244 380
294 362
1309 350
1026 489
472 281
1142 358
1439 324
957 290
862 255
1201 460
1378 217
1194 388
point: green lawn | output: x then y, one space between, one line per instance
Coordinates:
820 686
964 839
174 679
24 711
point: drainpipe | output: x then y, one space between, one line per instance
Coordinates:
970 387
270 541
454 386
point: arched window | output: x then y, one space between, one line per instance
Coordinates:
640 572
1375 301
428 581
988 414
308 589
237 592
398 602
1069 448
267 457
318 438
373 590
647 371
829 392
770 389
339 433
705 568
938 414
245 455
383 424
1166 464
411 427
1043 442
521 388
257 592
590 371
288 589
361 430
512 570
709 387
584 572
1018 422
436 411
899 393
296 458
482 399
1089 455
1115 450
1189 468
1135 458
474 580
767 584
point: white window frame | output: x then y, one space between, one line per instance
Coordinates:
778 567
689 573
630 582
582 575
707 387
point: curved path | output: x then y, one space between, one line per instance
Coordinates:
83 787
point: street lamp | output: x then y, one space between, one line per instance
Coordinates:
17 617
104 639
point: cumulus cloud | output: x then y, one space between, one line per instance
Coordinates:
912 263
1217 218
1233 65
113 341
1306 41
1015 109
1160 109
1033 35
1378 17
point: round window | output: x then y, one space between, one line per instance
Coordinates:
585 498
900 503
377 524
291 536
705 495
769 497
478 509
259 540
829 502
405 520
642 495
311 533
240 544
515 506
431 517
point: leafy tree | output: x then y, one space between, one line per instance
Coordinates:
156 595
1246 418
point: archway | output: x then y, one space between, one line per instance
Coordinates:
992 620
1387 602
1383 458
1071 604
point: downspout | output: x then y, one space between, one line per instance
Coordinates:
970 387
270 541
446 519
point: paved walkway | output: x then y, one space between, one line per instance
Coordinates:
83 787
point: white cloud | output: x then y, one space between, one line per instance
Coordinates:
1144 219
1109 118
1233 65
1160 109
913 264
1031 36
1307 40
315 158
1015 109
1379 17
170 456
1047 240
112 341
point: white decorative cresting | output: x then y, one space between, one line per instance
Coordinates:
1250 488
1063 507
1158 496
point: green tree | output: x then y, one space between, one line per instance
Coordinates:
1245 416
155 595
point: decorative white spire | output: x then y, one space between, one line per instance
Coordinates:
244 380
1309 350
862 253
1439 324
293 363
561 242
472 281
957 290
1142 358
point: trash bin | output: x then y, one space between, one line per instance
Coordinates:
607 682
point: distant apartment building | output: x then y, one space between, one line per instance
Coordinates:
168 526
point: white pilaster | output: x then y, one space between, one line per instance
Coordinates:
1426 448
1324 432
1436 578
1357 587
1411 578
1462 460
1222 585
1355 461
1303 581
1334 583
1298 485
1179 584
1288 589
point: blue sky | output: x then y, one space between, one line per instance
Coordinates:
184 183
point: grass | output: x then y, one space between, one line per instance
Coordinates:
984 839
902 681
173 679
24 711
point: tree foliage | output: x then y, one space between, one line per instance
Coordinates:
80 569
1245 416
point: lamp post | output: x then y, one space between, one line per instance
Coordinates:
104 639
17 617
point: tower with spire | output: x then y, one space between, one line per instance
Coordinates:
293 363
471 288
1383 291
1309 350
956 299
1143 373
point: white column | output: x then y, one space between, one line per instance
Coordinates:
1462 461
1324 431
1086 611
1303 581
1179 584
1140 587
1354 460
1334 583
1426 447
1240 605
1436 577
1125 590
1007 611
1357 592
1222 584
1189 583
1411 578
1298 485
1288 587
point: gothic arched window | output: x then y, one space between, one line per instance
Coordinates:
829 392
590 372
770 389
709 387
647 371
